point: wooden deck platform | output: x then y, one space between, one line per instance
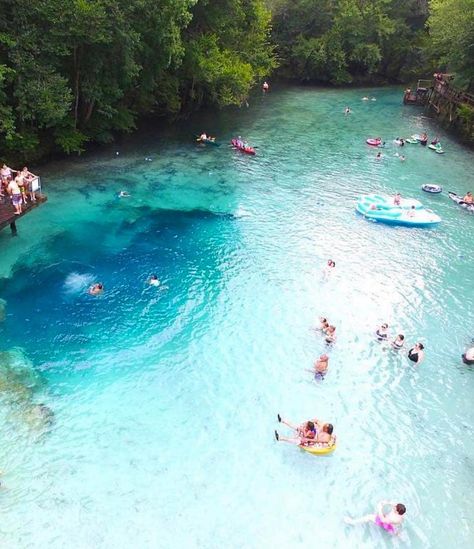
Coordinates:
7 211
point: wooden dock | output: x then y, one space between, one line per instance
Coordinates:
7 211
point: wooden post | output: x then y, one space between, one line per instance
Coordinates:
13 228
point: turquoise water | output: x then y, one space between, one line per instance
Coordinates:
165 399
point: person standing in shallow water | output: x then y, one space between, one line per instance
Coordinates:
416 354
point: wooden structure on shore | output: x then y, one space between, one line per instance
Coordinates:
440 95
7 212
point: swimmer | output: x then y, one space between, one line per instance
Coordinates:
402 158
379 156
373 99
468 356
330 266
347 111
397 199
265 87
123 194
96 289
382 332
416 354
365 98
154 281
203 137
323 324
330 334
320 367
398 342
389 522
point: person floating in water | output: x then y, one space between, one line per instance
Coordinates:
96 289
265 87
347 111
329 268
417 354
154 281
123 194
365 98
382 332
390 522
398 342
320 367
468 356
309 433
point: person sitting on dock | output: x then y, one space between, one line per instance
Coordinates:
468 198
96 289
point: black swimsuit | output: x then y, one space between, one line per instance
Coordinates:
412 356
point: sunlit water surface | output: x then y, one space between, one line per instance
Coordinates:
165 399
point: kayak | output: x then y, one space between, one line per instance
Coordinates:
432 188
384 211
459 201
436 148
374 142
242 148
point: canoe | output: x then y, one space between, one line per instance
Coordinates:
384 211
432 188
459 201
246 150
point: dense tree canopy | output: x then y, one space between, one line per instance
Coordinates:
342 41
451 27
73 71
78 70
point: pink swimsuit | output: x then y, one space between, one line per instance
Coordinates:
385 525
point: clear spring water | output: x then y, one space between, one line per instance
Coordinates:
165 399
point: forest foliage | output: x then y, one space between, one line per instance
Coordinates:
79 71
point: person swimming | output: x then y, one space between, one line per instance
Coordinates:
387 521
347 110
321 367
416 354
154 281
123 194
398 342
468 356
96 289
329 267
330 334
365 98
265 86
323 324
382 332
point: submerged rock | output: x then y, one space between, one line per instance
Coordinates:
3 309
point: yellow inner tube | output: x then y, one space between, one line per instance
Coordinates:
319 450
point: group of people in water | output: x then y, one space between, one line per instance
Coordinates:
19 185
98 287
315 433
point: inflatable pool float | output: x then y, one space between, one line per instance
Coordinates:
416 137
374 142
318 450
410 213
459 201
432 188
242 148
411 141
436 148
